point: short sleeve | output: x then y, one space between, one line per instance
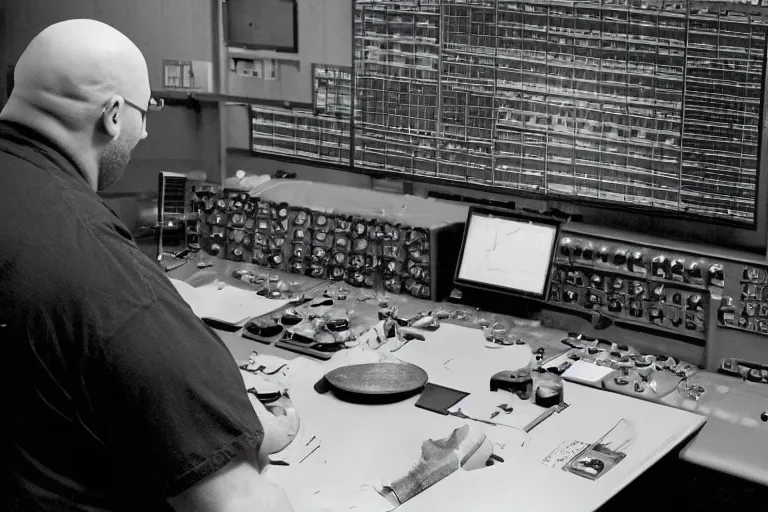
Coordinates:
166 397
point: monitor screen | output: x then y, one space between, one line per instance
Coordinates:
507 252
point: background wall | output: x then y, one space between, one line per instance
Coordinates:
181 139
325 37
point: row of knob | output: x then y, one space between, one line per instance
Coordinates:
635 288
615 304
692 317
661 266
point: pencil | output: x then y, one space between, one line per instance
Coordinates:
546 414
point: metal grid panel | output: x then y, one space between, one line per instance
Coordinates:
641 102
396 86
300 133
332 90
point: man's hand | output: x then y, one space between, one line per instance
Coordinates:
280 422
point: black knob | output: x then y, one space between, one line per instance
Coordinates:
588 253
565 247
635 261
614 305
694 302
717 275
750 274
592 299
596 281
655 313
677 299
635 308
604 254
764 416
620 257
618 283
755 375
215 249
659 267
676 268
570 296
658 292
694 271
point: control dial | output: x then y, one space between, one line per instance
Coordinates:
694 302
659 267
635 262
588 253
565 247
620 257
716 275
693 272
596 281
676 268
658 292
655 313
570 296
614 305
604 254
750 274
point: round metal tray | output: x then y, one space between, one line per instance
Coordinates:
378 378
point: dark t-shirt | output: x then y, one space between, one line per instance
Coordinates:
114 395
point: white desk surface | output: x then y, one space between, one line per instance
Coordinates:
364 444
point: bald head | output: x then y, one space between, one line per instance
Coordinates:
75 84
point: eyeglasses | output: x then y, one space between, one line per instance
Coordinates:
155 104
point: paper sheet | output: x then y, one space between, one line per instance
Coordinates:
484 405
456 357
230 304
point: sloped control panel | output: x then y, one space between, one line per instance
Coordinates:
635 284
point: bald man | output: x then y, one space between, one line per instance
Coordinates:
115 397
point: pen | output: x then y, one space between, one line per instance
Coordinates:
546 414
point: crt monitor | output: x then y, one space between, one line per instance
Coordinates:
507 252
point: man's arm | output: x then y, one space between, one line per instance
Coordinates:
236 487
169 400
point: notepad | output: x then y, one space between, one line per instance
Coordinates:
587 373
229 304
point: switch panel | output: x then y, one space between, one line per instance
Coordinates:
655 288
747 310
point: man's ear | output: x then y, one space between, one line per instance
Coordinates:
111 117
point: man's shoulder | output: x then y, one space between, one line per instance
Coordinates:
72 259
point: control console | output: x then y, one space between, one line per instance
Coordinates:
635 284
747 308
713 298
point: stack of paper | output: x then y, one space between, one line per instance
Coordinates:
228 304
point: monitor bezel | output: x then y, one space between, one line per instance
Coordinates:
511 215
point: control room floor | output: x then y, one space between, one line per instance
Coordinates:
673 485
